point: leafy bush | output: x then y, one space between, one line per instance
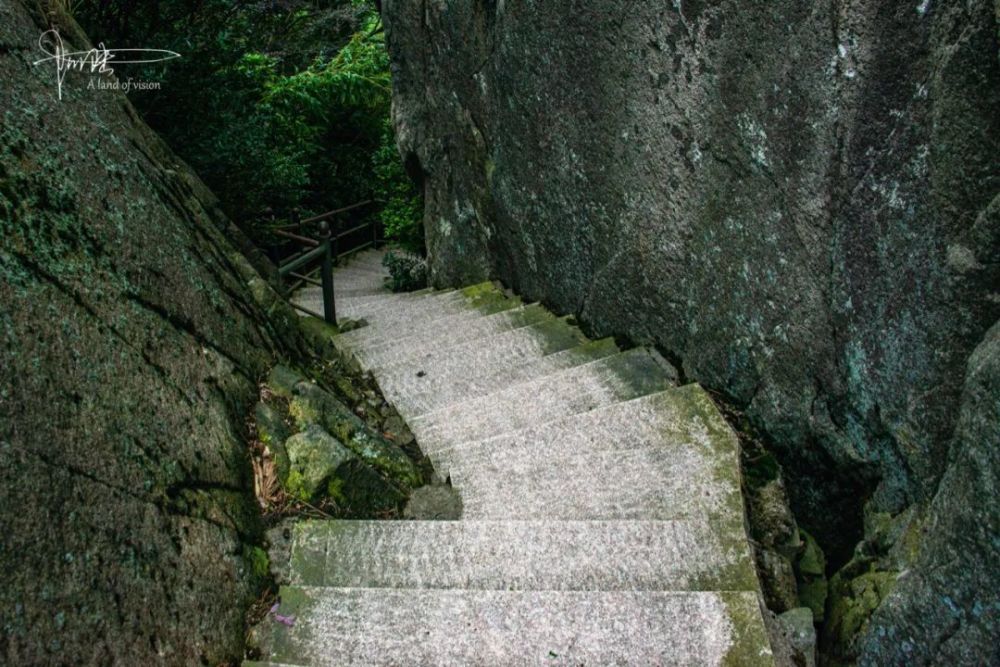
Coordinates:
277 105
402 204
407 272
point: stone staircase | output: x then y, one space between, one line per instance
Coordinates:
602 515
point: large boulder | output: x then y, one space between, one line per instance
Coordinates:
321 466
132 337
310 404
797 201
945 609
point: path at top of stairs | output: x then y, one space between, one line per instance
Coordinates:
602 512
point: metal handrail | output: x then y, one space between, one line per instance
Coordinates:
324 249
325 216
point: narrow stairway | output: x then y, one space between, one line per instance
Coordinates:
602 515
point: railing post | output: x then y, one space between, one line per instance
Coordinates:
329 305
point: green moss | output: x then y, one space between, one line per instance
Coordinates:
258 561
852 605
295 486
810 574
318 334
479 290
335 490
750 644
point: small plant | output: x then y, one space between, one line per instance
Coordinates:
402 204
407 272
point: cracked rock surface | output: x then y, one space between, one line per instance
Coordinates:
132 340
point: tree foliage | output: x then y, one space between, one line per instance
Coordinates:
278 105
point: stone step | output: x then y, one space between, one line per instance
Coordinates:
436 393
312 297
353 274
353 271
377 301
484 356
445 326
395 308
600 383
365 258
519 555
408 310
454 330
345 626
665 456
354 292
359 337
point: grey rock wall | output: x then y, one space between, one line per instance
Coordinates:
796 200
132 338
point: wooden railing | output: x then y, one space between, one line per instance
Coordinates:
319 253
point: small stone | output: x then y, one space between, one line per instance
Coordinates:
314 457
801 633
777 579
350 325
437 503
273 432
282 380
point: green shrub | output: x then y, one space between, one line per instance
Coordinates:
407 272
402 205
277 106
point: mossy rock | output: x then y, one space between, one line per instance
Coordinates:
282 380
273 432
258 562
853 601
810 570
315 457
321 467
313 405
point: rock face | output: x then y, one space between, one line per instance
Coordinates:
946 609
132 339
798 201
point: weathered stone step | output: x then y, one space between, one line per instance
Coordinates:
664 456
360 336
365 258
344 626
600 383
445 327
362 267
453 331
388 309
357 274
355 292
475 358
406 310
436 392
520 555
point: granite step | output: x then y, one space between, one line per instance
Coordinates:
454 330
664 456
351 626
407 311
429 329
365 258
389 307
406 374
580 389
353 292
520 555
437 393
